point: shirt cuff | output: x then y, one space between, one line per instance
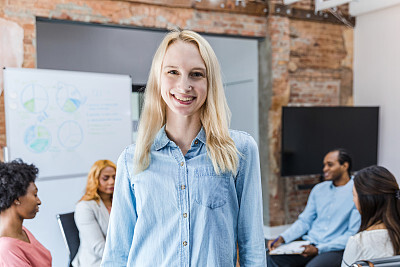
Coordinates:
287 237
321 248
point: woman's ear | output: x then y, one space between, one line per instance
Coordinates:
17 202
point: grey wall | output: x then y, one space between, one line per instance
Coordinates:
80 47
377 79
68 46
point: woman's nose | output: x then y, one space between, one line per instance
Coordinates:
184 84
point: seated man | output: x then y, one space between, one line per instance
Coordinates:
328 220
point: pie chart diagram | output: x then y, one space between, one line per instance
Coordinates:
69 98
34 98
70 134
37 138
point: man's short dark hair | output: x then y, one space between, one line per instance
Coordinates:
343 157
15 178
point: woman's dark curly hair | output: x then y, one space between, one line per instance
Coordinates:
15 178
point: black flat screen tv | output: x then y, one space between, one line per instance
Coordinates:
308 133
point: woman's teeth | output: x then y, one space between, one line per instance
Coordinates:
184 98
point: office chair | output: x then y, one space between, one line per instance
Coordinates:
393 261
70 233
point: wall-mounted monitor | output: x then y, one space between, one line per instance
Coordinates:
308 133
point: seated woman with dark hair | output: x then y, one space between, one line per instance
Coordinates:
92 213
377 197
19 201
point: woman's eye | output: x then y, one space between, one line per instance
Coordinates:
172 72
198 74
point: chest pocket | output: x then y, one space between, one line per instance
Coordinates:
210 189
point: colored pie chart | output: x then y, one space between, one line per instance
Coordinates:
37 138
69 98
34 98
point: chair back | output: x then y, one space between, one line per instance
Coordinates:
70 233
393 261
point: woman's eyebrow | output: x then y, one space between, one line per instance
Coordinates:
169 66
199 68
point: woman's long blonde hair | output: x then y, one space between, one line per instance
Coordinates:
93 179
215 114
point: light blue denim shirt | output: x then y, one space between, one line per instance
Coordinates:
329 218
179 212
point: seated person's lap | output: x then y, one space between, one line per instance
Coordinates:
327 259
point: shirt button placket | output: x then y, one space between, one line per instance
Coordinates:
184 209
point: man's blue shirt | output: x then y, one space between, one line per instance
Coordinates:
179 212
329 218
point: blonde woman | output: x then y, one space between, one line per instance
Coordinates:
92 213
189 191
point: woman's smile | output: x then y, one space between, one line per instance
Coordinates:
184 99
183 80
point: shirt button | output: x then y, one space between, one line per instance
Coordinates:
196 142
184 215
182 163
183 187
184 243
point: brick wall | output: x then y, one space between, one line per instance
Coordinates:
297 189
310 61
311 65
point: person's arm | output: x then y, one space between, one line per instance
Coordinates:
304 222
250 219
274 243
339 242
123 214
351 253
90 232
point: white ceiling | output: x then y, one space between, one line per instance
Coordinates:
360 7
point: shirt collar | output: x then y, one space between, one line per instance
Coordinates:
349 183
162 139
201 136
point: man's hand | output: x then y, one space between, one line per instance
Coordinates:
309 250
275 244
